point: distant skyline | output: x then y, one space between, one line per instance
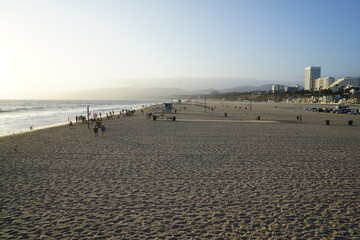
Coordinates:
49 47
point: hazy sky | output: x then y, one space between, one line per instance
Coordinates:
52 46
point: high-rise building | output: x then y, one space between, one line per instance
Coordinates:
311 73
323 83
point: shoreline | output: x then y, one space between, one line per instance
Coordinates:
34 130
61 123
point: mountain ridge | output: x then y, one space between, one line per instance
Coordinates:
132 93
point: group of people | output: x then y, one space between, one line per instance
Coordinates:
148 115
98 118
99 126
129 112
80 119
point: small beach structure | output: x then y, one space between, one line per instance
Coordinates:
168 107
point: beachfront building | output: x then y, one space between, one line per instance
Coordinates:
277 88
346 82
292 89
323 83
311 73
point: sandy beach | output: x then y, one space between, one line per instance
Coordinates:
203 176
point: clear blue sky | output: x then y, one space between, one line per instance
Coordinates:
52 46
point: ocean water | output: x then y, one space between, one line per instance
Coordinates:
19 115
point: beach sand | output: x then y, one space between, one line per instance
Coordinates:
203 176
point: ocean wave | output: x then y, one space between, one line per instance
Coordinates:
19 109
37 108
5 111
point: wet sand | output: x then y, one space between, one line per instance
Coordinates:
203 176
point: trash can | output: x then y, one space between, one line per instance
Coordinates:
350 122
154 117
327 122
258 118
174 118
225 114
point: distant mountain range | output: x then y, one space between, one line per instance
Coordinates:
247 88
123 93
129 93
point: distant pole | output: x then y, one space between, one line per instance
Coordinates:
250 106
205 105
88 114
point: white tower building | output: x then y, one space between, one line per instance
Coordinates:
323 83
311 73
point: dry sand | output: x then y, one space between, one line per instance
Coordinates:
203 176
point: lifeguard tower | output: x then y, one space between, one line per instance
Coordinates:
168 107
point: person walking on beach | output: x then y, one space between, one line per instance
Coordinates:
96 130
103 129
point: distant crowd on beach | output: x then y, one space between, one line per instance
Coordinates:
93 117
99 117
